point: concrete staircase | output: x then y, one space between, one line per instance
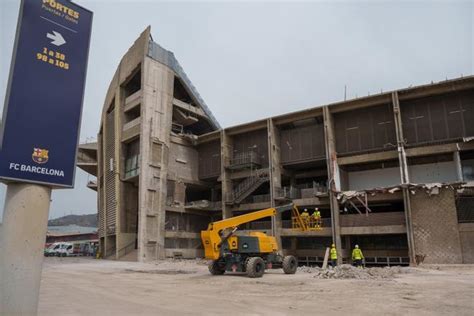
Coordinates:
131 256
249 185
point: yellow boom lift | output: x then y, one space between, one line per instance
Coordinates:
251 253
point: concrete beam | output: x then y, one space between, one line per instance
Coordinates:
447 86
132 101
87 158
184 210
245 128
130 133
92 185
366 158
362 102
90 168
383 197
310 174
325 231
180 140
317 201
209 137
251 206
374 230
297 116
182 234
189 108
466 227
92 147
438 149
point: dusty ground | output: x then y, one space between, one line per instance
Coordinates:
73 286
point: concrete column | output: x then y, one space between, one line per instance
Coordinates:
101 189
22 239
119 104
275 170
458 164
156 120
347 252
404 175
105 165
294 245
334 181
226 156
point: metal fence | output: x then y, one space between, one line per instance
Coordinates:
465 209
245 159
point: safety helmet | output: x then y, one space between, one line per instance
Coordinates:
357 246
316 209
305 209
333 245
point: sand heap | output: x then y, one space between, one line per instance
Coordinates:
346 271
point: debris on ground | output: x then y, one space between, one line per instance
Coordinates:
171 266
161 271
185 262
346 271
104 284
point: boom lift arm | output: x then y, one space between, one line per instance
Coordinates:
212 238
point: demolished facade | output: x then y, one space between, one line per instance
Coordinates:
389 172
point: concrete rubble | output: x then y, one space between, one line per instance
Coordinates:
346 271
170 266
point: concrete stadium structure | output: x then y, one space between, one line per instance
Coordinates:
390 172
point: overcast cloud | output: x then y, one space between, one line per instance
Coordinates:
252 61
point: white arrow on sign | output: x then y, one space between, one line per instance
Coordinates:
57 38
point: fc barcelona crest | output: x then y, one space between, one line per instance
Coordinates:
40 155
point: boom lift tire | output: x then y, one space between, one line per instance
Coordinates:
255 267
290 264
215 269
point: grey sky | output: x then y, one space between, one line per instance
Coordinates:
251 61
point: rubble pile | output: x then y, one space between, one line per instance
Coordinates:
167 271
346 271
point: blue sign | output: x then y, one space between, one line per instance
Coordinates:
43 104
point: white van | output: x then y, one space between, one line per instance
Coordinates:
65 250
52 249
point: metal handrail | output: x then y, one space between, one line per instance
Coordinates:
259 176
248 157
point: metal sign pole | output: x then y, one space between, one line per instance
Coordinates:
25 222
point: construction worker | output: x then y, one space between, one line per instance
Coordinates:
333 255
357 256
317 218
305 217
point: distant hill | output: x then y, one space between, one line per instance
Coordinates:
88 220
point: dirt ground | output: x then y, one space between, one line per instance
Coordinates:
80 286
